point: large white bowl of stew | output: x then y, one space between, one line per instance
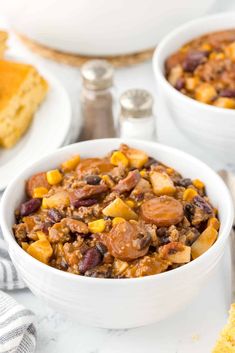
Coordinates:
194 66
133 293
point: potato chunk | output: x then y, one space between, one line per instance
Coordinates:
204 242
162 184
119 208
40 250
176 252
137 158
59 199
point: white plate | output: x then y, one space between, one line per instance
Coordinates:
47 132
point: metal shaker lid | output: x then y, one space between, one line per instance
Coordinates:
97 74
136 103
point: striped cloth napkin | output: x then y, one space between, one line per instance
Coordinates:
17 330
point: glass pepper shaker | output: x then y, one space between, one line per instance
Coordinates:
136 115
97 100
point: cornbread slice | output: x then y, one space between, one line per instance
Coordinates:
22 89
3 45
226 341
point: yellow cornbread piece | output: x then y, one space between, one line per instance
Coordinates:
3 45
22 89
226 340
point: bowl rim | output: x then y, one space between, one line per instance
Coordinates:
11 242
170 38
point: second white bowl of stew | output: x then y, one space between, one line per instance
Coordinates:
195 74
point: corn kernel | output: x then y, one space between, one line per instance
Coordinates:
39 192
143 173
130 203
117 220
54 177
205 93
224 102
71 163
24 245
97 226
189 194
214 222
41 235
108 181
217 56
169 171
230 51
206 47
198 184
44 203
191 83
118 158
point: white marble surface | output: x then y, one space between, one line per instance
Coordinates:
193 330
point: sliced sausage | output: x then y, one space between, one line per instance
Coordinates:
163 211
93 166
87 192
35 181
128 183
128 241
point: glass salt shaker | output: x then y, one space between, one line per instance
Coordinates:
136 115
97 100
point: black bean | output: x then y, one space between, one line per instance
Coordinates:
162 232
201 203
102 248
92 179
98 273
189 211
185 182
54 215
30 206
193 59
180 83
149 162
91 258
85 203
164 240
227 92
142 241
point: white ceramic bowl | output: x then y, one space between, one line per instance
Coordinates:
209 126
101 27
118 303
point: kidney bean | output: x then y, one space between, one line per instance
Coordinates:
30 206
78 203
180 83
91 258
227 92
54 215
93 179
194 59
